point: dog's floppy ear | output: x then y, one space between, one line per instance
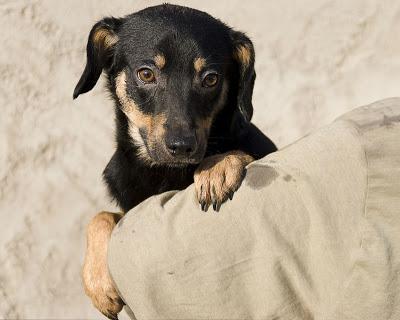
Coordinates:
99 51
243 54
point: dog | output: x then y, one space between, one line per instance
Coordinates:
182 82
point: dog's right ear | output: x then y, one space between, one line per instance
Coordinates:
243 54
99 50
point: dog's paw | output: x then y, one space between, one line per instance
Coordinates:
218 177
97 281
102 293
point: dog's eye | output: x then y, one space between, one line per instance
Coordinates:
146 75
210 80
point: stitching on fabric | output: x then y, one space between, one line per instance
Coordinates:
360 137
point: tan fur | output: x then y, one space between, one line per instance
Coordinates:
157 129
159 60
97 282
243 54
104 38
218 176
199 64
154 125
133 131
204 124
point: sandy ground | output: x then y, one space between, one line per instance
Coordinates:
315 60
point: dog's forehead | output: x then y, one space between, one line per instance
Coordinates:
171 32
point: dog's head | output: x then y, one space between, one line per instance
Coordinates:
171 70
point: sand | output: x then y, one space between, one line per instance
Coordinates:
315 60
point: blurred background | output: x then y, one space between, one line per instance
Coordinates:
314 59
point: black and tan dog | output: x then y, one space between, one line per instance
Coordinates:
182 83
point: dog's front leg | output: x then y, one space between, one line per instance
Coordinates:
219 176
96 278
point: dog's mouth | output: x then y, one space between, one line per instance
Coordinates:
176 164
165 158
168 150
157 154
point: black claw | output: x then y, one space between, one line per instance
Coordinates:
231 195
110 315
213 195
204 206
216 205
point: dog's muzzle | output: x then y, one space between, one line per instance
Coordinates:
181 147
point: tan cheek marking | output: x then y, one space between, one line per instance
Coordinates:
104 38
243 55
138 141
129 107
199 64
156 130
205 124
154 125
159 60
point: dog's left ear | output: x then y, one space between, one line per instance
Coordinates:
243 54
99 50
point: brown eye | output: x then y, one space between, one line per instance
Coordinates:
210 80
146 75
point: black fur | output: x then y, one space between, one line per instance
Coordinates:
181 34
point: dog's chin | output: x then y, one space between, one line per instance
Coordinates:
175 163
172 162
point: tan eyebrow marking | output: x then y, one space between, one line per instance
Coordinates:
159 60
199 64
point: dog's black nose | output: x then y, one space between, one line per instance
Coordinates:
181 146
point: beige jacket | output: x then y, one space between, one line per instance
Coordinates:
313 233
